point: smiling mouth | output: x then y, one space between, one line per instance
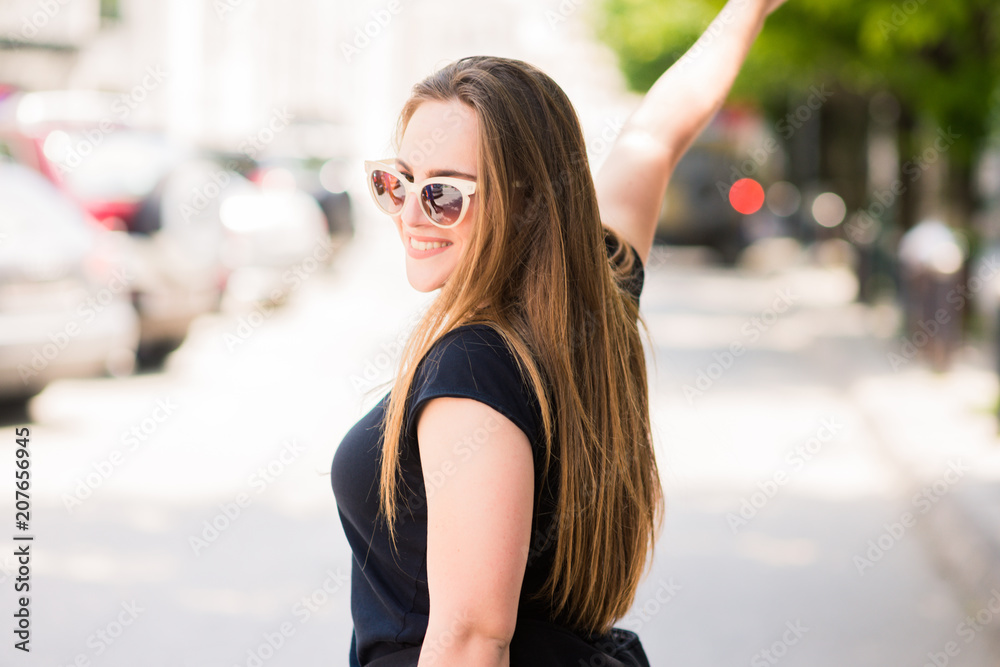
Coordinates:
423 245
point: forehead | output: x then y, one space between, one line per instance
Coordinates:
441 135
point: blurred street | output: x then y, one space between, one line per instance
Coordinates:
197 499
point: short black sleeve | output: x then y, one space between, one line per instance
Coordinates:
472 361
633 280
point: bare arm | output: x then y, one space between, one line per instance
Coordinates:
480 498
632 181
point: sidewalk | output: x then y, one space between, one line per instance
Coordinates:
941 431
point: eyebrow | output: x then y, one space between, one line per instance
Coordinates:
438 172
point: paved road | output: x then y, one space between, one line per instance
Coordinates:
792 537
185 517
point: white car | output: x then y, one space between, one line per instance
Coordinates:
277 237
65 293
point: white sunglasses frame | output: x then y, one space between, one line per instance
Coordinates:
464 186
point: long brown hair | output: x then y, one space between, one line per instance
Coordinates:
536 270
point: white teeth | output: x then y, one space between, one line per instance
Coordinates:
422 245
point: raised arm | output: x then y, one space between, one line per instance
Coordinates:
632 181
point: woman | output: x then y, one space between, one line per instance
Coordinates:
502 499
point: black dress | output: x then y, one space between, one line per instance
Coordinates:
389 596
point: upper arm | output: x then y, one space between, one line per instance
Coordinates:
479 478
631 184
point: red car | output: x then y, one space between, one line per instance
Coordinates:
117 174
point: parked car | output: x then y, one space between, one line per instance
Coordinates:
276 238
112 181
694 213
178 249
119 174
311 153
320 179
696 208
65 293
197 230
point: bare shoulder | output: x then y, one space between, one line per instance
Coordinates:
446 422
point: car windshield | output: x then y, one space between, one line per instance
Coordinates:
123 165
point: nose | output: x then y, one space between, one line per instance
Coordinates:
411 213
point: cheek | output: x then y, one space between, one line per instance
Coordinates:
465 229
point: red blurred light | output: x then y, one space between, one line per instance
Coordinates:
114 215
746 196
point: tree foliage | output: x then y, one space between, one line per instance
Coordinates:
941 60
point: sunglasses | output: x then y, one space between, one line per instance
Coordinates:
444 200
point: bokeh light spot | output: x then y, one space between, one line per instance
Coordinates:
746 196
829 209
783 199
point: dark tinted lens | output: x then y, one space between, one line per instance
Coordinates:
389 192
443 203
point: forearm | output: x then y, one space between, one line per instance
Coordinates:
683 100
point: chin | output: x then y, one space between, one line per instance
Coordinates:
422 282
420 287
